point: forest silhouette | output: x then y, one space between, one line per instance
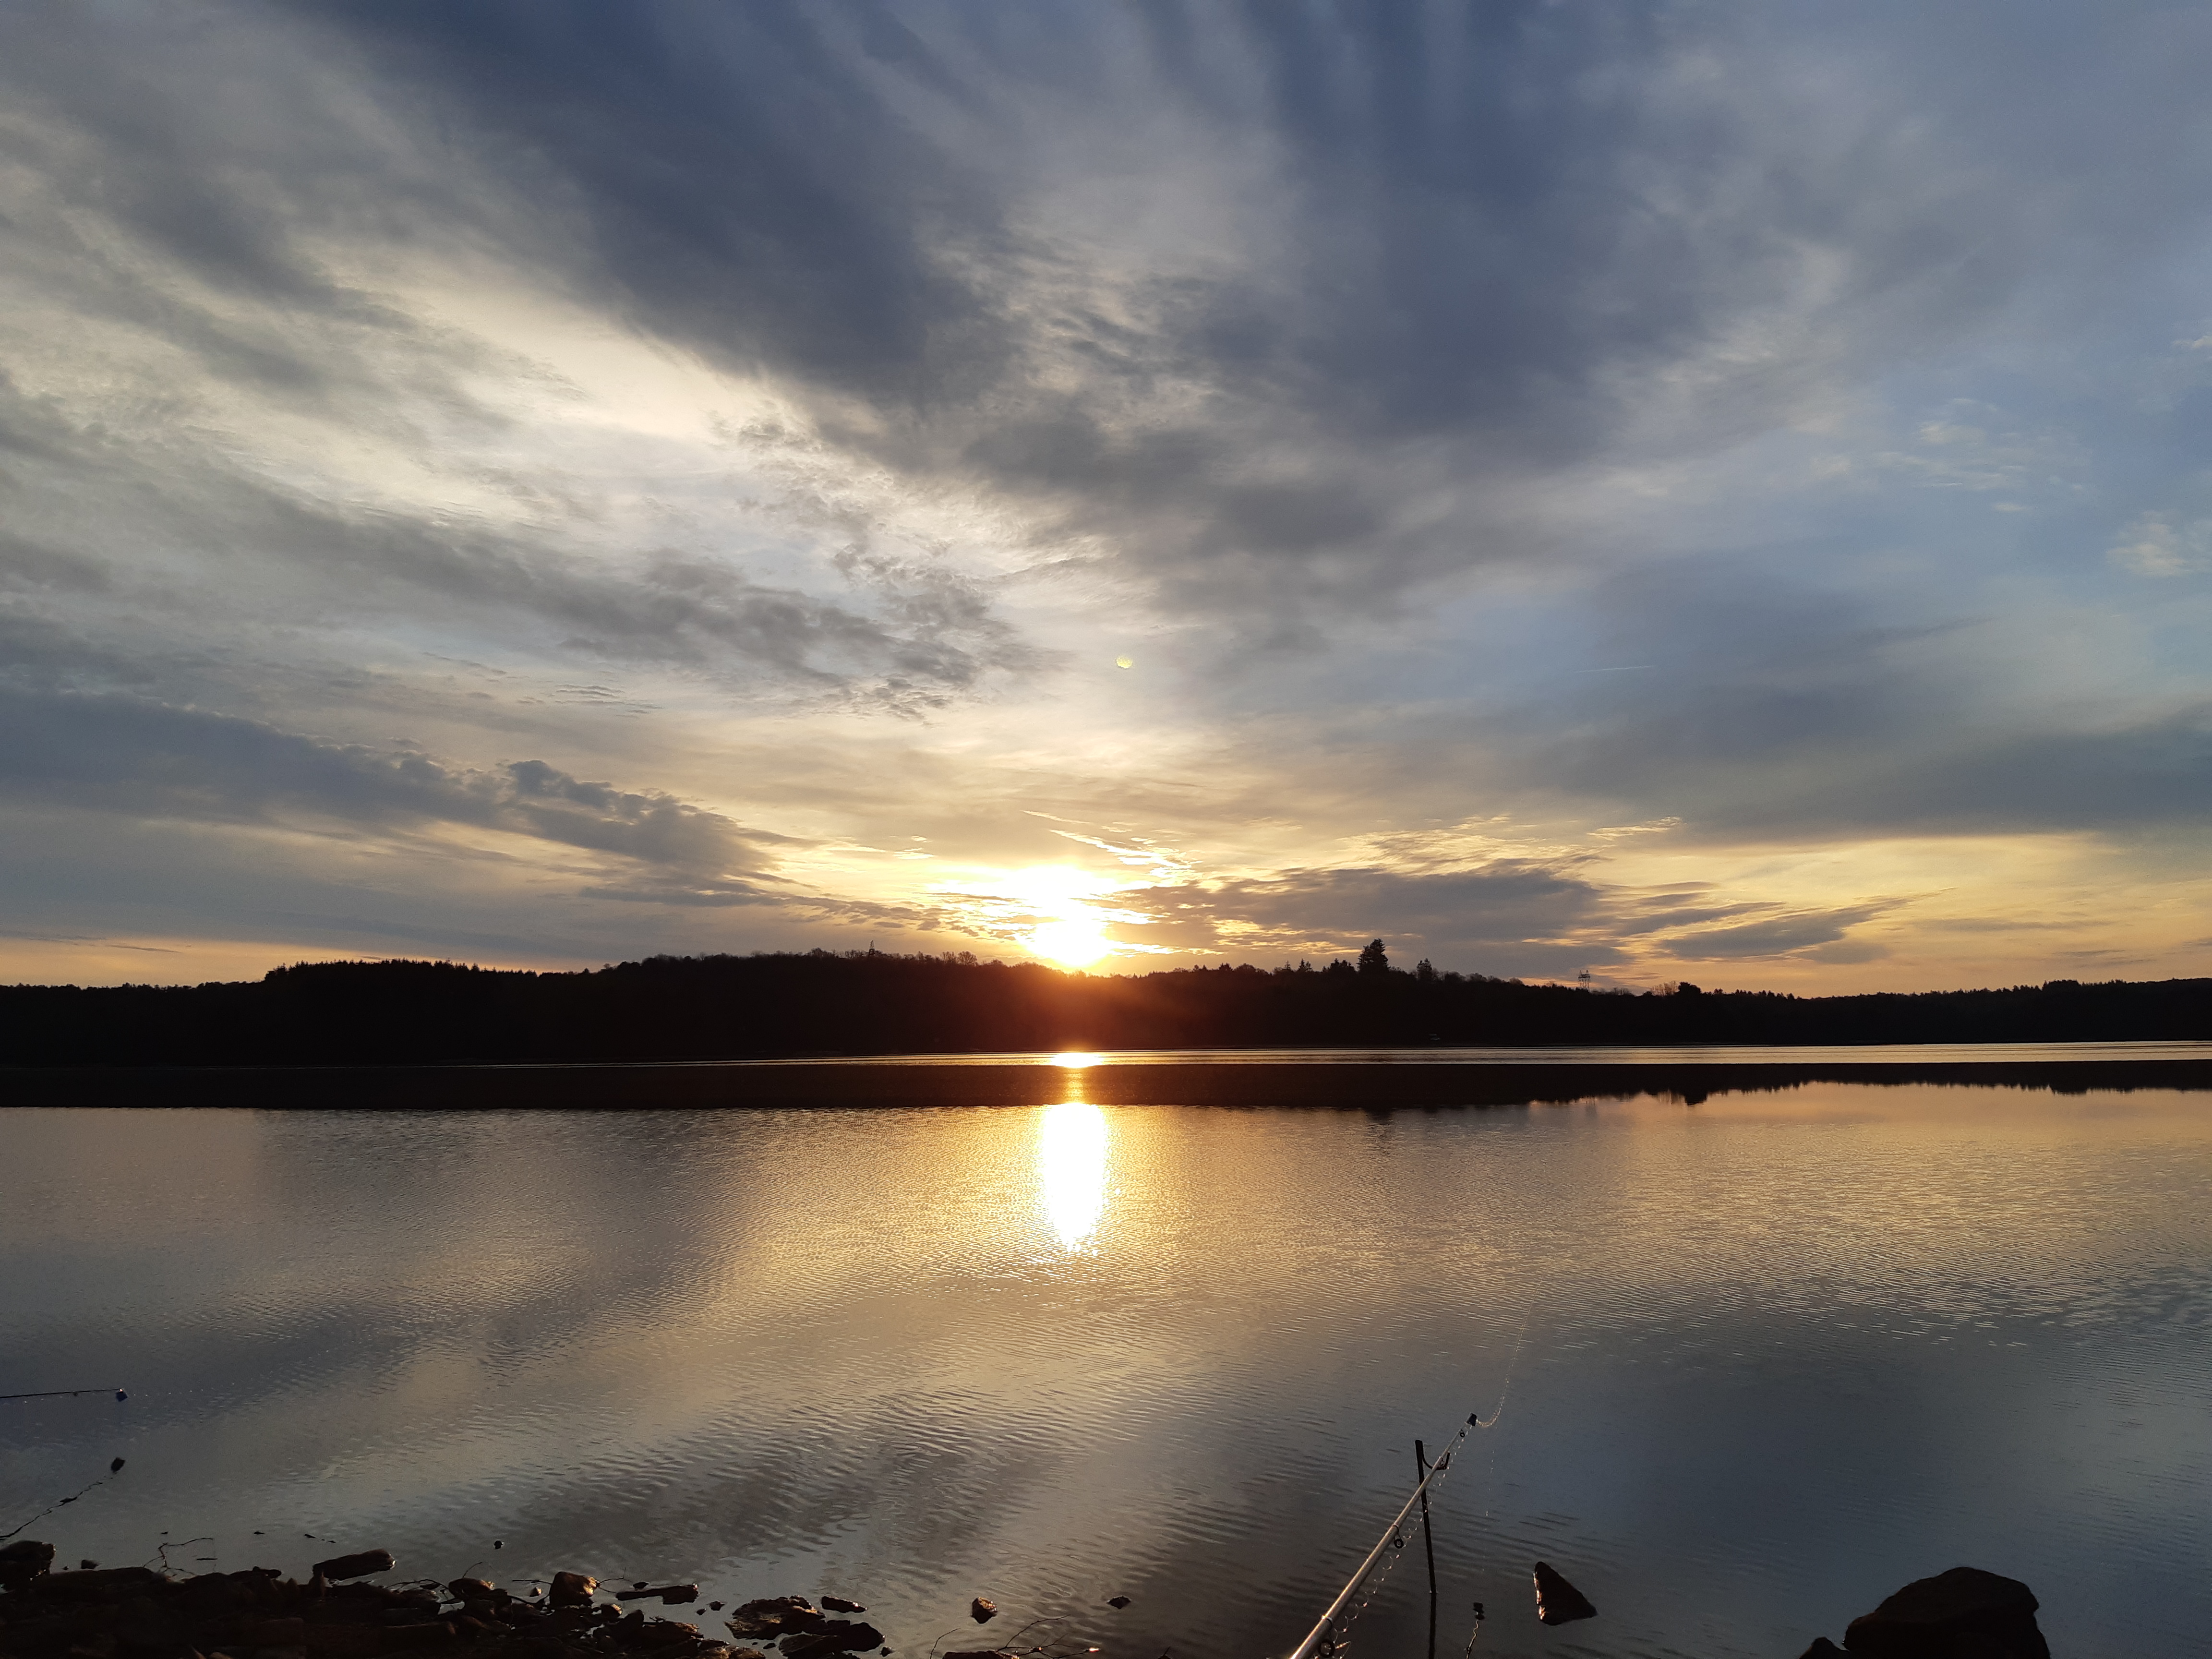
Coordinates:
826 1003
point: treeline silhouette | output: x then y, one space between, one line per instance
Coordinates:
821 1002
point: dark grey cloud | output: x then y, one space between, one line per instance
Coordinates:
1802 718
1510 913
1510 916
1492 239
1788 933
152 761
915 635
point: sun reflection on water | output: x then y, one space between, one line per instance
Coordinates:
1072 1169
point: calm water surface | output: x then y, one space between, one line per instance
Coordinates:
1761 1361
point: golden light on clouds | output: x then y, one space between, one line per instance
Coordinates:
1055 911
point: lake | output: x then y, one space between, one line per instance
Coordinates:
1754 1362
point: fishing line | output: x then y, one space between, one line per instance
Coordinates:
1512 1359
114 1469
1326 1639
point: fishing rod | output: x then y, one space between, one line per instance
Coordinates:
1317 1639
65 1393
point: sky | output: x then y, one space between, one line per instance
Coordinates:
1655 492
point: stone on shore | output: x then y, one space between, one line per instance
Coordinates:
24 1560
573 1590
982 1612
108 1584
839 1604
1822 1648
1964 1611
1559 1602
775 1615
836 1636
356 1567
134 1612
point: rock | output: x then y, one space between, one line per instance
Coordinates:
109 1584
474 1589
778 1615
356 1567
839 1604
670 1594
633 1630
572 1589
747 1653
982 1612
1964 1611
434 1633
23 1561
1822 1648
836 1636
87 1566
1117 1602
345 1641
1559 1602
979 1653
151 1627
274 1633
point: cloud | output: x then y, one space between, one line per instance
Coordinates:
2154 545
1554 419
1779 935
1507 917
1309 328
147 760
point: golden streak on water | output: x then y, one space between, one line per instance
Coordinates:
1074 1058
1071 1141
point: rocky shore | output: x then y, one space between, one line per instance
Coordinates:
138 1613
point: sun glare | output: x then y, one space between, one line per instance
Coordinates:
1059 912
1071 1140
1072 940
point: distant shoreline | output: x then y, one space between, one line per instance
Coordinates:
951 1080
665 1010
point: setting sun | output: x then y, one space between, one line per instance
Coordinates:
1073 940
